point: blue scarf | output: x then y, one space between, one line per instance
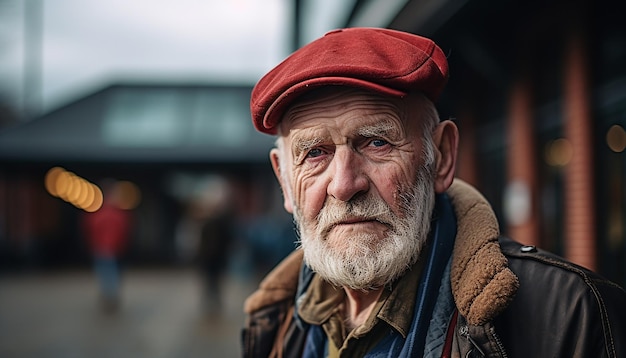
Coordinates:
436 267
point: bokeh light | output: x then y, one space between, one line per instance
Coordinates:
73 189
558 152
616 138
128 194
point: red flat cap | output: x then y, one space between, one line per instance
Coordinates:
382 60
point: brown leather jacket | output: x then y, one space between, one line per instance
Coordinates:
513 300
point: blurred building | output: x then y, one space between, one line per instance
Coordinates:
538 89
163 142
539 92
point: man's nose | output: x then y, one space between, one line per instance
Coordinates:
347 176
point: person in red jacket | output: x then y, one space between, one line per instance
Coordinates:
107 230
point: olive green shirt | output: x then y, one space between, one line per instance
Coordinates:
323 305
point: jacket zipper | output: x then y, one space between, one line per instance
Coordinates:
464 331
492 330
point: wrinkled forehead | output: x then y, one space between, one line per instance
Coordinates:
318 103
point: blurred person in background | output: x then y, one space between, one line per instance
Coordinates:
216 240
398 258
107 231
205 236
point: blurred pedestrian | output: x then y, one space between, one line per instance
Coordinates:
216 239
107 231
209 221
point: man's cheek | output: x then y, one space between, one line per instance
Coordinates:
310 199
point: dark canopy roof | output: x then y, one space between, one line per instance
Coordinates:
143 123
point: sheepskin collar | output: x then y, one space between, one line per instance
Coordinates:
482 283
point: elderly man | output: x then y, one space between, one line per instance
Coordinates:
397 258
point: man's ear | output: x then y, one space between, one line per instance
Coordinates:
288 200
446 140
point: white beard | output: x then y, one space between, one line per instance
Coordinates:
366 261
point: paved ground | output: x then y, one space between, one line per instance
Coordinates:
57 315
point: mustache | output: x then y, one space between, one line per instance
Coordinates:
364 208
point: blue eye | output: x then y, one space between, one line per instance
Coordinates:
379 142
314 153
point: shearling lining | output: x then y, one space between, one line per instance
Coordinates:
482 283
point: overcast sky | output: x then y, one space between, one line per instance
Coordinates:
89 44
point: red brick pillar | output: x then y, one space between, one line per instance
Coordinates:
520 202
579 221
467 166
